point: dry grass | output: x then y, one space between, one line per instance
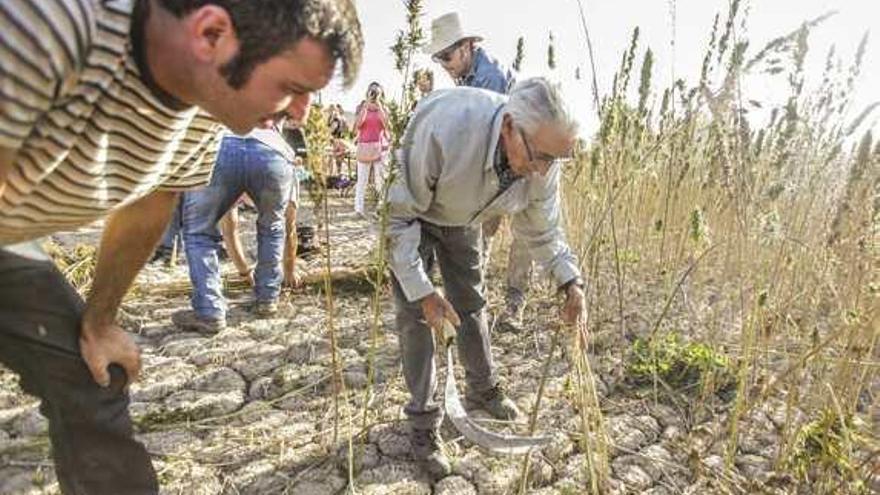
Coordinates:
768 236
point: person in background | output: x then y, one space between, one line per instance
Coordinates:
259 164
469 65
424 82
466 63
339 134
295 135
229 228
371 124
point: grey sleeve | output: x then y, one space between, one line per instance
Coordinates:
409 196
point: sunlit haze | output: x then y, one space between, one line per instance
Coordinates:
610 24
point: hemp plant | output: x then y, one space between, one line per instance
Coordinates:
755 218
318 143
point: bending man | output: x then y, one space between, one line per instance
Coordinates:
467 156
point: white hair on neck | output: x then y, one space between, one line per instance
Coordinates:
535 102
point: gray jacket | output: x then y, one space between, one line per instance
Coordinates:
447 178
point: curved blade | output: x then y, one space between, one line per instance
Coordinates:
494 442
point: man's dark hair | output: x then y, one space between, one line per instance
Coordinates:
265 28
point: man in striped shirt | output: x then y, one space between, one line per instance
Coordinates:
108 109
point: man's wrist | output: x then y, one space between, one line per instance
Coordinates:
426 297
95 320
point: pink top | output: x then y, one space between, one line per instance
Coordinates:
371 129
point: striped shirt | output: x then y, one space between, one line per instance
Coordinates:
90 135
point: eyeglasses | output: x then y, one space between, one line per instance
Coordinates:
445 55
540 156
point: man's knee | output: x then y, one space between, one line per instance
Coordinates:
73 397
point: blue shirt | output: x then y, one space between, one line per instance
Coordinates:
486 73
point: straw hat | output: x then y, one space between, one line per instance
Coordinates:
446 31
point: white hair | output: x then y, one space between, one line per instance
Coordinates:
535 102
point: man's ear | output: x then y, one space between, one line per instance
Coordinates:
506 124
211 33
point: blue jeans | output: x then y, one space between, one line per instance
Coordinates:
243 165
172 232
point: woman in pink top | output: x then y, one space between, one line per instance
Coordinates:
371 123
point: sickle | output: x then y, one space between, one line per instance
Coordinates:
470 429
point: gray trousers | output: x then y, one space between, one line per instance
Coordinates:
458 255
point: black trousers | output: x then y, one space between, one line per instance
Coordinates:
90 429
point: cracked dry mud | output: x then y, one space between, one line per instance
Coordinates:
251 410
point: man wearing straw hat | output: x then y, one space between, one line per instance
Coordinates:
467 156
469 65
465 62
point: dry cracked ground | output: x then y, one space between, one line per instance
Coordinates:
252 410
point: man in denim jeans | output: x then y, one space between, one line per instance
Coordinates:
259 164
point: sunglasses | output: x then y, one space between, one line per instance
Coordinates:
445 55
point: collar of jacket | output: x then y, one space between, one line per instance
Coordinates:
494 137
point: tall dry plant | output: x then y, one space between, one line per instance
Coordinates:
319 142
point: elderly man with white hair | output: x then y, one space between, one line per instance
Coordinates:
469 155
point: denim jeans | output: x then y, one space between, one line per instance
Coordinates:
172 232
89 426
457 252
244 165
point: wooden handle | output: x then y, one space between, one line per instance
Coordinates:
448 333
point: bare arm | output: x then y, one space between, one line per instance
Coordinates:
386 127
361 114
229 229
383 115
130 236
291 278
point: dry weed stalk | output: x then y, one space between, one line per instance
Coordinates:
793 289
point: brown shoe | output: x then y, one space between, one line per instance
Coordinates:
266 309
427 451
190 320
496 403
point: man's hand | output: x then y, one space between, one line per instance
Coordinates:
574 311
130 235
248 276
436 308
103 345
293 278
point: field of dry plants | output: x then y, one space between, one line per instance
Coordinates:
733 265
